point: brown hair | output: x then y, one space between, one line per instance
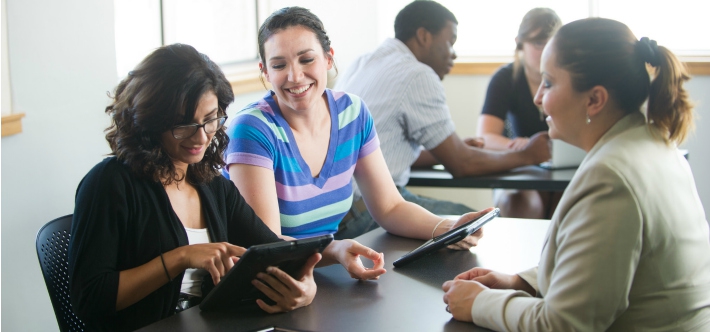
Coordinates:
543 19
605 52
161 92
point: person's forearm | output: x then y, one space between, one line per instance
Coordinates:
425 159
496 142
136 283
479 162
413 221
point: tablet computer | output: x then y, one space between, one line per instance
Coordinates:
235 289
455 235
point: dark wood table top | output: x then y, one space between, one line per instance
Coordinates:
407 298
526 177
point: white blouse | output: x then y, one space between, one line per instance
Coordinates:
192 280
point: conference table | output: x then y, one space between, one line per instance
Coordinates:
525 177
407 298
531 177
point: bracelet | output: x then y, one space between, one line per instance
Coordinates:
437 226
165 267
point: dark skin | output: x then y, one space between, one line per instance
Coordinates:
466 157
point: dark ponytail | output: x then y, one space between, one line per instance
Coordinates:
598 51
669 108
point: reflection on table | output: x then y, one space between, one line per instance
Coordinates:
408 298
526 177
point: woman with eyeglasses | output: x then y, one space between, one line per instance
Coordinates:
628 248
154 218
509 116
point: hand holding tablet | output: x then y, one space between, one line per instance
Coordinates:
451 237
236 288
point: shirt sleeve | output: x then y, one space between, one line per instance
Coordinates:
499 93
100 216
252 139
597 249
370 141
530 276
426 116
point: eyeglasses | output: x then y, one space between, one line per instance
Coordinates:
210 126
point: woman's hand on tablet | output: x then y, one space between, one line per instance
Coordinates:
348 252
287 292
471 240
216 258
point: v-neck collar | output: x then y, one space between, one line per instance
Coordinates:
208 209
324 174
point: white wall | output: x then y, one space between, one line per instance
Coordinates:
62 62
697 144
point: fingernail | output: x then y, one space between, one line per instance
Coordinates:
270 269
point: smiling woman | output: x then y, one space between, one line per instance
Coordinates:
631 208
294 153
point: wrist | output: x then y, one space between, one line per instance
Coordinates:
176 260
526 156
442 227
330 253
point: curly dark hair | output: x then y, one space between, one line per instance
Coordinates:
161 92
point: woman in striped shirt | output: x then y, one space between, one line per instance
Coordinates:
293 153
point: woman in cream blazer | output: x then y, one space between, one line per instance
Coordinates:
628 246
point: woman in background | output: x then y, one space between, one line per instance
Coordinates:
293 154
510 99
627 248
153 219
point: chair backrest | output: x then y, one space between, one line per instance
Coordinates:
52 247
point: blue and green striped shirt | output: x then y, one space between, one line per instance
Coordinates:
260 136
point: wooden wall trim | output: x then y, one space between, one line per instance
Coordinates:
251 83
12 124
247 84
695 67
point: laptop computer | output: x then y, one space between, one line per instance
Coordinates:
564 155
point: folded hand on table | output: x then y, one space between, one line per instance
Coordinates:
348 253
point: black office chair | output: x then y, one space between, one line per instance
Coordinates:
52 247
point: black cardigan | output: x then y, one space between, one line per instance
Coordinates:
511 99
122 221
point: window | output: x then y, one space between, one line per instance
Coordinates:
223 29
489 28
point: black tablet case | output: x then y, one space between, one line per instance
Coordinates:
450 237
235 289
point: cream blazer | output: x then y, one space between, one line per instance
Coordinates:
628 247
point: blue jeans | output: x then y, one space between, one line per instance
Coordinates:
358 220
